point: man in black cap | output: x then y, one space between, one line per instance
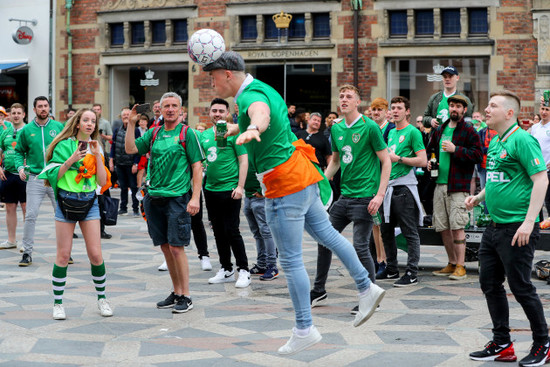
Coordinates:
457 147
437 111
291 185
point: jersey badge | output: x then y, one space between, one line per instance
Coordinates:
340 138
401 138
503 153
356 137
53 133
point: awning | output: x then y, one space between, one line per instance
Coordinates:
12 66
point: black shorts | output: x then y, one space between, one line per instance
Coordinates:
13 190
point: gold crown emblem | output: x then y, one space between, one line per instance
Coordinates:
282 20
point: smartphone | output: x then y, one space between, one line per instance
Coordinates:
143 108
82 145
101 131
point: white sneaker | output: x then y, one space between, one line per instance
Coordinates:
222 276
104 307
59 312
244 279
163 267
205 263
7 244
298 343
368 304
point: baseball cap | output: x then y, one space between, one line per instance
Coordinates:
450 70
3 110
229 60
458 98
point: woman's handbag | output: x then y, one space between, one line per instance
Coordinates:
108 209
74 209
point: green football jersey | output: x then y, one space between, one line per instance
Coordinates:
170 163
222 162
445 157
357 146
404 142
32 143
511 161
8 141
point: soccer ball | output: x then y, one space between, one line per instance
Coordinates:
205 46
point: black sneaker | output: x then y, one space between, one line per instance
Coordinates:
494 352
71 261
183 305
122 212
26 260
537 357
317 298
256 270
75 235
270 273
169 302
406 280
385 274
106 236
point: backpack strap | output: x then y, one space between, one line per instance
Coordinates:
183 133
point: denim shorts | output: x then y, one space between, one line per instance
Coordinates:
93 214
168 222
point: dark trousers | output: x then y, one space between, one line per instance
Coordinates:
343 212
404 213
199 233
497 260
224 214
127 179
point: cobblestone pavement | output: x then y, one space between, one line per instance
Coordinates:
436 323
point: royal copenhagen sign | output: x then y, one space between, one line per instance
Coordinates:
23 35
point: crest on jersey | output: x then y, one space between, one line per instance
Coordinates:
503 153
356 137
402 138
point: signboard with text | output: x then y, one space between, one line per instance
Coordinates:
23 35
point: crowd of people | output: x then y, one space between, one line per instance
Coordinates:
375 170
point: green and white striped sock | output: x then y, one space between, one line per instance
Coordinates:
99 277
59 278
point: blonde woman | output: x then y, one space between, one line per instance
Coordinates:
75 168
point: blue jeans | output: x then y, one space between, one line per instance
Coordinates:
287 217
254 211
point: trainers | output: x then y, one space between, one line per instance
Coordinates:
163 266
446 271
270 273
106 236
26 260
538 356
317 298
183 305
385 274
122 212
71 261
256 270
406 280
169 302
459 273
104 307
368 303
59 312
205 263
298 343
381 267
494 352
222 276
75 235
7 244
244 279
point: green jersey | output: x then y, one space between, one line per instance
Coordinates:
170 163
276 145
405 142
8 141
32 143
443 108
357 145
444 157
222 163
251 185
511 161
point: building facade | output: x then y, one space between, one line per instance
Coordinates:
132 51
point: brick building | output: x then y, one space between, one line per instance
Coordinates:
401 46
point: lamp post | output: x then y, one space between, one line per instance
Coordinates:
356 5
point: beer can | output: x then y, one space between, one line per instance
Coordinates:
221 129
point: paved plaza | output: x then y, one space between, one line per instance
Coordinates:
436 323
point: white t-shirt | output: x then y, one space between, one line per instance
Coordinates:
542 134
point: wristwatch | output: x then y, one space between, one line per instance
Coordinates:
400 160
253 127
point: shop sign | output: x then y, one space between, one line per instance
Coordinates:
149 81
436 76
23 35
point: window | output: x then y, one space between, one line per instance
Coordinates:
117 34
321 25
450 21
398 23
180 30
297 26
477 22
424 22
138 33
249 32
159 31
271 31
